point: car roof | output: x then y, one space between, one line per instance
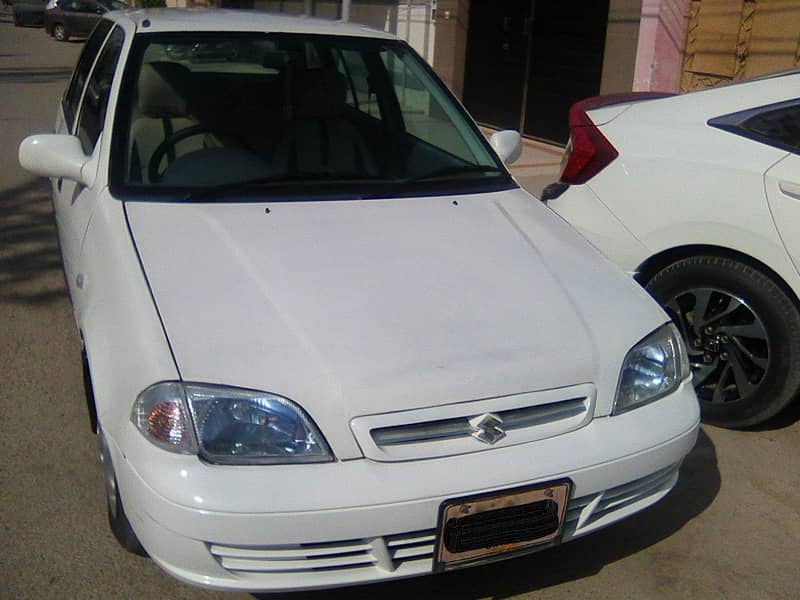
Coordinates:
217 19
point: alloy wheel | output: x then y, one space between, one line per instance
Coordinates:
728 345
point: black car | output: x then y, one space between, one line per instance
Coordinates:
28 12
77 18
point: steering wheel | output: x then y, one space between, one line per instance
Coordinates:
169 144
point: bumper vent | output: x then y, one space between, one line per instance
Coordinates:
591 512
386 553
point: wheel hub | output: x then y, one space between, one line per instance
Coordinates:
727 342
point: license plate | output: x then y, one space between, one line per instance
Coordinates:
488 526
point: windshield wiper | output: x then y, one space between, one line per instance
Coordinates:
268 182
457 170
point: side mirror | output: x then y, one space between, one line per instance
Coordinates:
507 144
54 155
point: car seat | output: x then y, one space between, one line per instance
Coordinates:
319 139
162 109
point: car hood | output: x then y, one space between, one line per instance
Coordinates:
362 307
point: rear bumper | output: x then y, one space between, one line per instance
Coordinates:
361 521
581 208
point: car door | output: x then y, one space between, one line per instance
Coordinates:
71 15
781 125
83 111
84 18
94 10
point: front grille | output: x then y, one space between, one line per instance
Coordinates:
502 526
475 425
517 418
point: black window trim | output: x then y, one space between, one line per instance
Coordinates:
100 53
71 119
734 123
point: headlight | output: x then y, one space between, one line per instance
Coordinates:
652 369
231 425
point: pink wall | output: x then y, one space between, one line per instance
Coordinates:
662 32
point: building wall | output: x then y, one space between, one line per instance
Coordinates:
659 52
729 40
622 38
452 22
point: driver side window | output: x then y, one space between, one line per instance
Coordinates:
73 96
95 100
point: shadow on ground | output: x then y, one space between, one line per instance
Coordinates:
697 487
34 74
30 259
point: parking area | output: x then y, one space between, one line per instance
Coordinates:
730 529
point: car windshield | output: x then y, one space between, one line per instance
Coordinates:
208 116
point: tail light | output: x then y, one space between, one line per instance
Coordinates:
588 151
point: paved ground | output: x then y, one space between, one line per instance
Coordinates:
731 528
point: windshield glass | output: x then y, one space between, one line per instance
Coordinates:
275 114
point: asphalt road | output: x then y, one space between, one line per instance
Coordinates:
730 529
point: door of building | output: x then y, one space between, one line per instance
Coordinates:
528 61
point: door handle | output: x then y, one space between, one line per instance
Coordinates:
790 189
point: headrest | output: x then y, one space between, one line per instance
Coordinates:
319 94
164 90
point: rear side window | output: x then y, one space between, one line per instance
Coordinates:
776 125
73 96
781 125
95 100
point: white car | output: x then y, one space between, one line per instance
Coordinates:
328 339
698 195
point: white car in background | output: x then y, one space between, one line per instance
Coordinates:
328 340
698 195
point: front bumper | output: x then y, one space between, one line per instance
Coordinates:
312 526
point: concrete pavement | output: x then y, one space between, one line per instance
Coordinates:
731 528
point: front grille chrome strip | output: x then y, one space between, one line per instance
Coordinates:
517 418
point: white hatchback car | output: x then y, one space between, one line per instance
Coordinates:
328 339
697 195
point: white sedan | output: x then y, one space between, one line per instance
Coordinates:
699 196
327 338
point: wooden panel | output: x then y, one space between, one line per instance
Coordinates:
775 36
716 37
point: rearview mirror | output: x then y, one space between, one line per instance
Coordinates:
507 144
54 155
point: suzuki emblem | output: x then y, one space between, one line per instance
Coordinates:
487 428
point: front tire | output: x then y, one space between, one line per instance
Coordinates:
743 335
117 519
60 32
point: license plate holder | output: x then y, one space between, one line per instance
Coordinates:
496 525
